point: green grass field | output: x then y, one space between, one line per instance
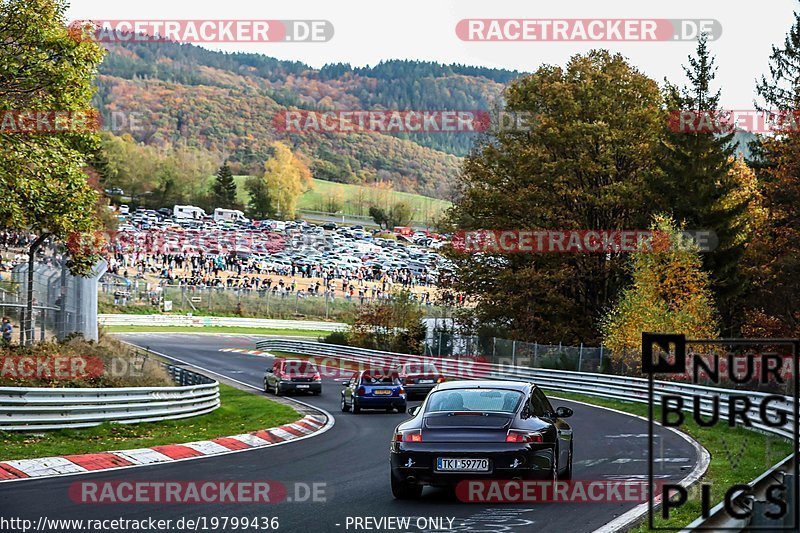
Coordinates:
356 199
240 412
215 329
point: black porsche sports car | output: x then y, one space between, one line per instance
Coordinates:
480 430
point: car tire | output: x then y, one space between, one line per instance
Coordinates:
266 386
278 391
405 491
356 407
567 475
345 407
554 471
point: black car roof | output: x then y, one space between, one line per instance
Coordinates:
521 386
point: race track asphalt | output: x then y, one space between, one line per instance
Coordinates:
351 459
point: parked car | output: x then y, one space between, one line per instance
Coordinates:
375 388
480 430
419 378
292 375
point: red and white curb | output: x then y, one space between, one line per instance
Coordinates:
94 462
249 352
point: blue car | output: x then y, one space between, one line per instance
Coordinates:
375 388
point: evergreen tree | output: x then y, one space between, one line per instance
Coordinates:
697 186
260 204
224 189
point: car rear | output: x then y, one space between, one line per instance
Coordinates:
383 391
420 378
300 376
456 442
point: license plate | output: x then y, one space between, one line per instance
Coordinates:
382 391
302 386
426 381
445 464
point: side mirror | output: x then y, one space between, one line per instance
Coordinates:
563 412
345 383
413 410
269 370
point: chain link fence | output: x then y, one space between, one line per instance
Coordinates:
125 295
442 342
63 304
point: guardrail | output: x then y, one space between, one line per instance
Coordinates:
38 409
602 385
216 321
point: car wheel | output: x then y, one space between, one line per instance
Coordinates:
345 407
356 407
278 391
405 491
266 386
554 472
568 473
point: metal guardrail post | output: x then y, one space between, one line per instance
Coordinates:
791 512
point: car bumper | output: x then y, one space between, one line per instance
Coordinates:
505 462
381 402
419 389
300 387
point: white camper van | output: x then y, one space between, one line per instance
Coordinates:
229 215
183 212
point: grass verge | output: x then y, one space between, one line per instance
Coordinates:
215 329
737 456
240 412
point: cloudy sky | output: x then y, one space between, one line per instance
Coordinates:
367 32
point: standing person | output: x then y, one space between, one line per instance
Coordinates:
7 330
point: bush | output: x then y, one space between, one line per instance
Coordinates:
109 363
337 337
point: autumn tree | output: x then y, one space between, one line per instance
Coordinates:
44 68
397 215
670 293
774 255
696 186
393 325
584 162
224 188
286 177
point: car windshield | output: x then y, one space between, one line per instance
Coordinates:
299 367
379 379
500 400
420 368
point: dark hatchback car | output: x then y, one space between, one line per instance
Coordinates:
480 430
373 389
292 375
419 378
